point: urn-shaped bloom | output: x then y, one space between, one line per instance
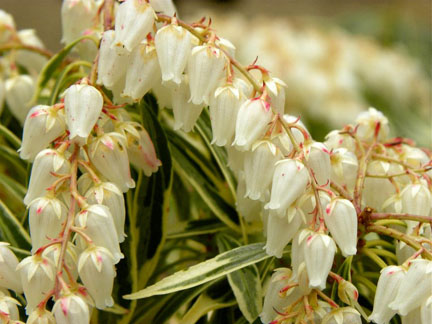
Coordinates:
9 278
33 62
344 165
134 20
416 199
76 18
344 315
341 219
97 272
319 252
252 121
259 166
8 307
41 316
370 122
18 93
109 155
318 157
42 125
290 179
97 223
83 105
47 164
276 91
205 70
173 45
71 309
388 285
37 278
415 288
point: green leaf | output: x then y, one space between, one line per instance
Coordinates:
11 230
245 283
206 271
10 137
12 192
198 227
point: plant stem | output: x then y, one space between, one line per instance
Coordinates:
402 216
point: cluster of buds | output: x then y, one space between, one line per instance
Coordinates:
19 68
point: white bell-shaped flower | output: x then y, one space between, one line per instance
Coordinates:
97 222
205 69
298 134
377 190
83 105
344 315
344 165
9 278
298 249
281 230
276 91
318 157
109 155
30 60
37 278
252 122
71 309
108 194
335 140
133 21
290 179
165 7
389 281
46 165
341 219
224 107
53 253
8 306
426 311
42 126
415 288
77 16
186 113
143 71
41 316
46 218
173 45
112 63
97 272
18 93
307 204
319 252
416 199
259 166
141 151
7 26
367 125
247 208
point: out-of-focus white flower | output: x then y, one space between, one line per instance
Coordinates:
163 6
77 17
42 125
7 26
30 60
71 309
9 278
367 122
97 272
18 93
205 69
46 165
133 21
83 105
41 316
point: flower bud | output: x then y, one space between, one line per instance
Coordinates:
318 158
347 292
30 60
319 252
98 224
276 92
344 315
133 21
8 305
42 126
205 69
415 288
341 219
83 105
19 91
46 165
97 272
37 277
112 63
259 167
46 218
108 194
173 45
9 278
71 309
142 72
164 6
344 167
41 316
252 120
289 182
109 156
224 107
367 122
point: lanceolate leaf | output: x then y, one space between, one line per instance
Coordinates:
11 230
245 283
209 270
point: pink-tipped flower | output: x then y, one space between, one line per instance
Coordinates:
42 125
344 315
109 155
71 309
344 165
53 253
252 122
77 16
83 105
205 70
173 45
18 93
9 278
8 306
41 316
318 157
97 272
341 219
319 252
47 164
289 183
133 21
276 91
371 122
